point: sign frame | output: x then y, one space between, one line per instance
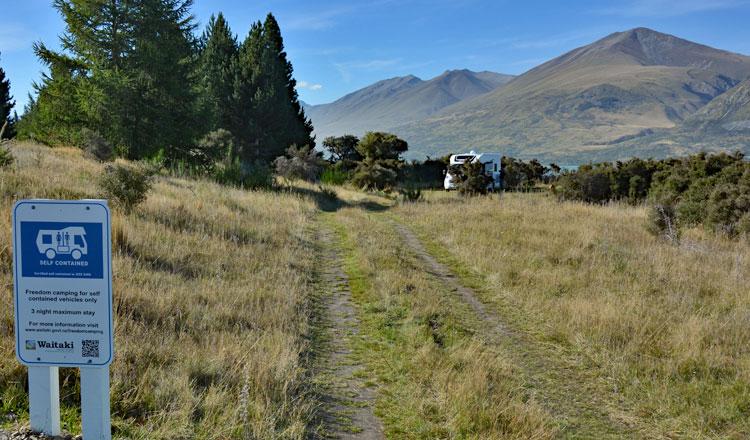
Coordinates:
106 244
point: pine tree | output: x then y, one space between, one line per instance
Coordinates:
162 65
54 117
268 117
100 35
291 125
88 81
216 74
247 96
6 105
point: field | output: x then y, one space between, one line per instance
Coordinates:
502 317
211 289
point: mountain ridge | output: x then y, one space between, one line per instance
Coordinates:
580 102
393 101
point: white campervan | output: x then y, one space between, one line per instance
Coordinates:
492 167
68 241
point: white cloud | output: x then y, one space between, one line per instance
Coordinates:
308 86
670 8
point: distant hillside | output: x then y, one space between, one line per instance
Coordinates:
728 112
590 102
392 102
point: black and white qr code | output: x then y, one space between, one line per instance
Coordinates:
90 348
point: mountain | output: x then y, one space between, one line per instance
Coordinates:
394 101
590 102
727 113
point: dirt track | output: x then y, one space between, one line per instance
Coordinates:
347 402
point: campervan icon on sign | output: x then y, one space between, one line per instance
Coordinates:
61 250
68 241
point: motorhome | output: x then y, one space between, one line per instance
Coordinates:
68 241
492 167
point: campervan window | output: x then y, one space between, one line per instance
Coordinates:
78 240
47 239
464 157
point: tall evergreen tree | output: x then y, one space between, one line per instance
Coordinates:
162 66
126 70
54 117
248 96
269 117
100 35
285 118
6 105
216 74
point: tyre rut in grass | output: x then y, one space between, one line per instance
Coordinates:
346 411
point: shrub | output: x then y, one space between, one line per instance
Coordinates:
728 206
427 174
299 163
372 174
470 178
6 157
342 150
334 175
94 145
521 176
126 186
591 184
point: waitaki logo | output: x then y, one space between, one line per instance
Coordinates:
53 345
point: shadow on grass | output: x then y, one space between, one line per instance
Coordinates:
328 202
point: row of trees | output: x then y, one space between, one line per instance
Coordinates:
133 73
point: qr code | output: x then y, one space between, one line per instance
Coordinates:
90 348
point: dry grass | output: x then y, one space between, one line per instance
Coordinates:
435 375
212 291
211 287
665 326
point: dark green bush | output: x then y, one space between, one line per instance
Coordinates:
470 178
6 157
519 175
373 174
126 186
427 174
214 148
662 221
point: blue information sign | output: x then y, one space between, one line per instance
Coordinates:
63 282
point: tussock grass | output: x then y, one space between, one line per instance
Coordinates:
665 326
211 286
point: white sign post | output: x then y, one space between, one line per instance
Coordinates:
62 267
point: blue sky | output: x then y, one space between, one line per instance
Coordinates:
339 46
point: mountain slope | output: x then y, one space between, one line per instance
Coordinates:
391 102
728 112
584 101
